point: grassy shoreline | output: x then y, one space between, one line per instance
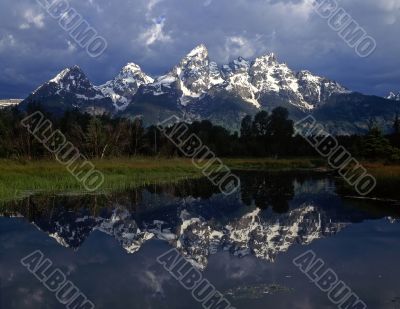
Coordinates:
18 178
387 181
21 178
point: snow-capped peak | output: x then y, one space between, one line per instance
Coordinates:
193 62
393 96
194 74
60 76
72 85
71 73
131 67
132 72
269 59
200 51
125 85
71 80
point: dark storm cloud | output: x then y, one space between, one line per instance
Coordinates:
157 33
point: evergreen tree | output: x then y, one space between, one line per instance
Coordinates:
260 124
95 137
137 132
280 127
280 131
396 125
246 127
375 145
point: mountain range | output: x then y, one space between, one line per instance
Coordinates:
9 102
198 88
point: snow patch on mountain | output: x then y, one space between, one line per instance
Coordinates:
125 85
238 81
252 234
302 89
193 77
394 96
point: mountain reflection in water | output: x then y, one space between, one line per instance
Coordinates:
271 213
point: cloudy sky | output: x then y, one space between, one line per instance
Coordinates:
157 33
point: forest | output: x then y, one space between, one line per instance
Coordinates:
263 135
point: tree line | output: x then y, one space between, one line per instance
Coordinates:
265 134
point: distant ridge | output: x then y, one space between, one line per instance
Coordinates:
9 102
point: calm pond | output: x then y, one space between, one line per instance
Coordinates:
243 244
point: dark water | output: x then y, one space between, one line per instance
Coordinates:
244 244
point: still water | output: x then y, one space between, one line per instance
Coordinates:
243 244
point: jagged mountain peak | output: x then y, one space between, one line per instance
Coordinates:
70 80
268 58
74 72
394 96
199 51
125 85
193 75
131 67
305 73
134 71
239 65
196 58
69 89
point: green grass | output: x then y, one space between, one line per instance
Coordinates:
387 181
18 179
